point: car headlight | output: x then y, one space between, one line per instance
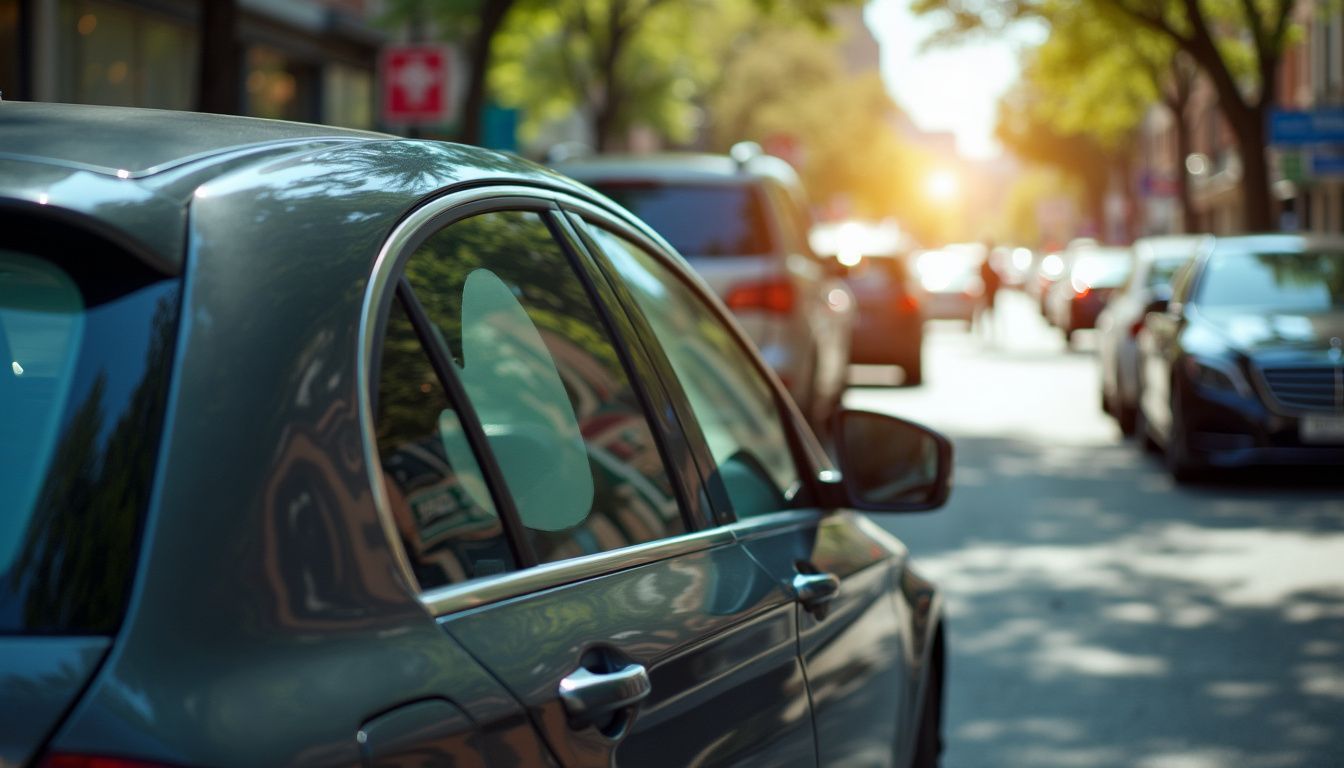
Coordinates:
1216 375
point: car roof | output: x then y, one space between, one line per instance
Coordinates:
130 175
129 142
689 167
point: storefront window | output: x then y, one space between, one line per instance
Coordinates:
278 87
10 86
125 57
347 96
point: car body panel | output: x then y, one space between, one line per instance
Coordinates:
272 620
40 678
715 632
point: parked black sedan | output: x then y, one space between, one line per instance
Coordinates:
1245 364
326 448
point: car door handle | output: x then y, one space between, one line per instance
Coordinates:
816 590
589 696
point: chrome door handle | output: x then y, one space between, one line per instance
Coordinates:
587 696
816 590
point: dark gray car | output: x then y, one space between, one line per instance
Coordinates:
328 448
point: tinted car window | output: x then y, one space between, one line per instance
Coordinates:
699 219
85 355
576 450
442 506
731 400
1292 281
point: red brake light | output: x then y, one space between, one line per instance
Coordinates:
1135 327
95 761
907 304
1082 292
771 296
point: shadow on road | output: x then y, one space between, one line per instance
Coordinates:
1101 616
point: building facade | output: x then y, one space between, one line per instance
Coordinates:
308 60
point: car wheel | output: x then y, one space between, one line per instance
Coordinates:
929 744
1106 406
1182 467
1069 335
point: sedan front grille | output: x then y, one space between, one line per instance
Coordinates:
1307 388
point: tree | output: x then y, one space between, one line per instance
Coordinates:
220 61
1224 38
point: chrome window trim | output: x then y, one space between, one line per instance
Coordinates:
378 293
466 595
494 589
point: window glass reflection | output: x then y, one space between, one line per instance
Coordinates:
443 510
732 402
567 429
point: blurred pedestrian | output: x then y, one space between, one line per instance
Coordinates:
989 277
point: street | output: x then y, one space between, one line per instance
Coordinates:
1100 615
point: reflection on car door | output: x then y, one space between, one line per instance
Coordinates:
852 640
622 629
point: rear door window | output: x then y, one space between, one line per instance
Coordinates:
86 341
562 419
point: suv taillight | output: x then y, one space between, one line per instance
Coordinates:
775 295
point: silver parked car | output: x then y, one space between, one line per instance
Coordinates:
1156 260
743 223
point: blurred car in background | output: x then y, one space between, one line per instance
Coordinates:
949 282
1093 273
1245 363
742 221
889 329
1044 273
1156 259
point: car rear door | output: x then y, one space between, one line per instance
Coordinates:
756 456
573 556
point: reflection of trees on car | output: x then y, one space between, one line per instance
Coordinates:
542 375
81 538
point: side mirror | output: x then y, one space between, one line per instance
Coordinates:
892 465
1158 300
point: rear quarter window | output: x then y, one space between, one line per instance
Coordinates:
86 339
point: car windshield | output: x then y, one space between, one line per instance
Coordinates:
83 369
699 220
1302 281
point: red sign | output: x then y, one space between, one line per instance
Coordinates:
417 85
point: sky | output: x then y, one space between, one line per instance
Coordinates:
947 89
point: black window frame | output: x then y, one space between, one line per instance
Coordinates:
399 291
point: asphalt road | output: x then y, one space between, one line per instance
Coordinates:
1100 615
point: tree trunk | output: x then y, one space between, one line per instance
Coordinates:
219 87
1184 146
471 118
1256 210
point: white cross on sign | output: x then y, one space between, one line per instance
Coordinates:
416 80
415 85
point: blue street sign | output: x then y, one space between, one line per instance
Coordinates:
1294 129
1327 165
